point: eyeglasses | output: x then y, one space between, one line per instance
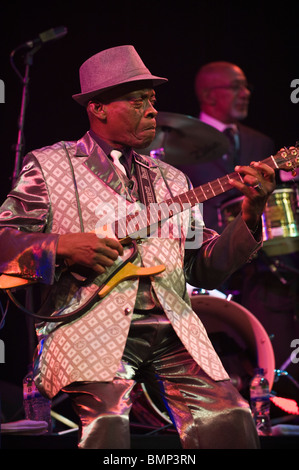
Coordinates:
235 87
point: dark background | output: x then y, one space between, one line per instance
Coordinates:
174 39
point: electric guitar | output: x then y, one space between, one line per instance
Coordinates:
138 225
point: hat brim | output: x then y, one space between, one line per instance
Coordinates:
83 98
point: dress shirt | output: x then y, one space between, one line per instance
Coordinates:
220 126
127 152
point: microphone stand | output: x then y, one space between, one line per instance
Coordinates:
19 147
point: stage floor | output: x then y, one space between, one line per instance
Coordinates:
69 441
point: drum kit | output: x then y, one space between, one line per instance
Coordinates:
184 137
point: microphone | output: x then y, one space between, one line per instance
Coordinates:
47 36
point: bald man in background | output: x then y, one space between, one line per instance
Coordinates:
224 95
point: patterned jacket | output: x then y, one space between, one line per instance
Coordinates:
67 187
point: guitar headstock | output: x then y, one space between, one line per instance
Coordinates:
287 159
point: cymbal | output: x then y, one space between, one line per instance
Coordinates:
186 140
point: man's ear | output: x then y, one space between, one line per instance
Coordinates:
208 97
98 110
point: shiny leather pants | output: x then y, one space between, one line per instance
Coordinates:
206 414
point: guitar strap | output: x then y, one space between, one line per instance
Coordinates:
145 185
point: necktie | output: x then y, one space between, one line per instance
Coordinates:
115 156
232 155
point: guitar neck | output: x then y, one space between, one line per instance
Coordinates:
216 187
159 212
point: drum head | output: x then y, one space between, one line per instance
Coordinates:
225 316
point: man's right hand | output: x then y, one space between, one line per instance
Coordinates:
88 250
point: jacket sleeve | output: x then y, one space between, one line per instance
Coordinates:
220 255
27 249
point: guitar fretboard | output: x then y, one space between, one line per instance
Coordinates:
157 213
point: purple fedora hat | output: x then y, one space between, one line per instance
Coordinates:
110 68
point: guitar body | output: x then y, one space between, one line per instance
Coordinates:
127 271
12 282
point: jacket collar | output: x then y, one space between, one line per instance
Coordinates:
99 164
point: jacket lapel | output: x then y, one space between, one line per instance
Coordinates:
98 163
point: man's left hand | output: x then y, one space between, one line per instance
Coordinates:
257 185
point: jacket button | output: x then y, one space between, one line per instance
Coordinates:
127 311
